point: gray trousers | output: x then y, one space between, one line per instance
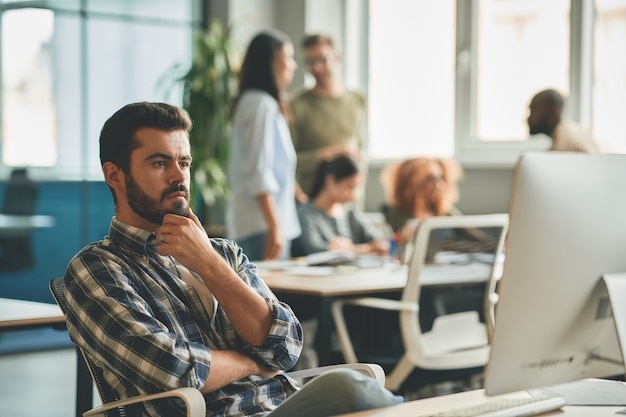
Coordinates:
336 392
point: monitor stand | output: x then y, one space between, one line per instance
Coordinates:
616 289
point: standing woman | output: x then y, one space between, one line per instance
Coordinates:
261 214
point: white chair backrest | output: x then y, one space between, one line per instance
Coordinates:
417 257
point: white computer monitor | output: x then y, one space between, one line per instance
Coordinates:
567 228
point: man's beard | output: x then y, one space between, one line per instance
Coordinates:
149 208
543 126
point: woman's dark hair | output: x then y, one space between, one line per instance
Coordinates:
117 137
341 167
258 67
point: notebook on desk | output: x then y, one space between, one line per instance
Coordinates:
589 391
328 258
339 258
322 263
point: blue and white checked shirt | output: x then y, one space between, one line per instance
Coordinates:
149 331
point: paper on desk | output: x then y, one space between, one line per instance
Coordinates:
310 270
277 265
452 257
587 392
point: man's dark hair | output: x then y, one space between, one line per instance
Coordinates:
310 41
257 70
550 97
117 137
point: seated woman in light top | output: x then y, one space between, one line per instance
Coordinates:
328 221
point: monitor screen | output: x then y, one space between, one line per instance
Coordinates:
567 228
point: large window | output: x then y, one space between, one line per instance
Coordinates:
411 72
454 78
68 65
515 58
609 74
28 117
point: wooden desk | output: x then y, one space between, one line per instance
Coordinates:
21 314
433 405
343 281
14 224
346 281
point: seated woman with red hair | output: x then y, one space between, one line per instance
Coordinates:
419 188
423 187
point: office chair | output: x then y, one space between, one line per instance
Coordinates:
457 341
20 198
193 398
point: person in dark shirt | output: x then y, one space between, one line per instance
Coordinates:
329 221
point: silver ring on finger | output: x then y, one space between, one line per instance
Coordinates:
163 238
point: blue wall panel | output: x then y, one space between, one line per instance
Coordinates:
82 213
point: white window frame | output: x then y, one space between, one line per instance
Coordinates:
471 151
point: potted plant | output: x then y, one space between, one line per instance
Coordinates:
208 86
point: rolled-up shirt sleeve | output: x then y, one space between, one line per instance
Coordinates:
283 344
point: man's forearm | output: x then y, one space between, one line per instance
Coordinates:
228 366
252 323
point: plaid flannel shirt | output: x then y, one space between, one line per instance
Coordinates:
149 331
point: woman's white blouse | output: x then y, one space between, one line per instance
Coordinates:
262 160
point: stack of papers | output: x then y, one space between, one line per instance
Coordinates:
277 265
329 258
587 392
322 263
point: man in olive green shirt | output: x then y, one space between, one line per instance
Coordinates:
327 120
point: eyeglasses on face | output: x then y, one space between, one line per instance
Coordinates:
434 179
315 60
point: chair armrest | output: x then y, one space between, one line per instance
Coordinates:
370 369
194 402
379 303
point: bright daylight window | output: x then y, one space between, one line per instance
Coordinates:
460 86
28 117
67 68
411 78
516 58
609 87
